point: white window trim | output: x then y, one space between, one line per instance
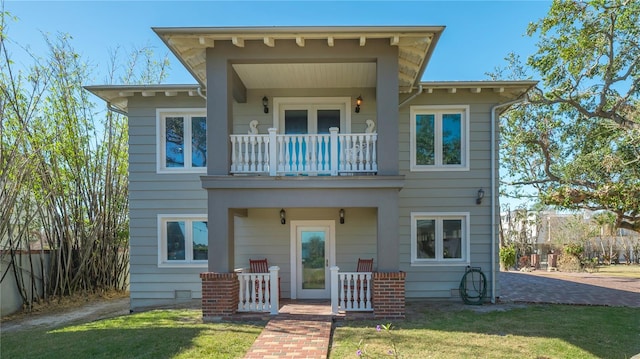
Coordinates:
314 103
465 237
161 114
162 241
464 150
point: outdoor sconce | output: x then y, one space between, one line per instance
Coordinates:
341 215
480 196
358 103
265 104
283 220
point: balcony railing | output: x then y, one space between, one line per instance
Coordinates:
306 154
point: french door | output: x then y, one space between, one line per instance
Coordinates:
313 248
311 115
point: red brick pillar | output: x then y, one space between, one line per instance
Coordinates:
219 295
388 295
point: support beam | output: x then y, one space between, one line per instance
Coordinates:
300 41
452 90
148 93
240 212
239 89
269 41
476 90
363 40
330 41
237 41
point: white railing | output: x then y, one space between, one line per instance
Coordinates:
259 291
310 154
350 291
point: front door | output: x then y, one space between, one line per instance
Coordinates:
314 255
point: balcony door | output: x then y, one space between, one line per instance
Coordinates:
307 115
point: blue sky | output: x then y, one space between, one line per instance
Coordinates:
477 38
478 34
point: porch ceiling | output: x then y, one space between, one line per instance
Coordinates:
415 45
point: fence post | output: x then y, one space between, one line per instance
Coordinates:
273 158
334 289
333 131
274 289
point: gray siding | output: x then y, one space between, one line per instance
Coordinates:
448 191
151 194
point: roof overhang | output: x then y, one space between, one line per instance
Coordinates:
415 46
506 90
117 96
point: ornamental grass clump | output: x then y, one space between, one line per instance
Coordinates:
392 351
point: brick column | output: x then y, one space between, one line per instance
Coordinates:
388 295
219 295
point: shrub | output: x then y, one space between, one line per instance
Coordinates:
508 256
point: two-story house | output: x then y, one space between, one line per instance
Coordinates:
311 147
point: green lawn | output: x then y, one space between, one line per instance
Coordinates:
431 331
620 270
540 331
153 334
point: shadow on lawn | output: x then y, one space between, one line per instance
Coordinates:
604 332
206 340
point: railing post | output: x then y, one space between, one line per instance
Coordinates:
334 289
333 131
274 290
273 157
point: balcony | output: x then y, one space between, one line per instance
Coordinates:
330 154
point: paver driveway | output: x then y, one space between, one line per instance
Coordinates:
569 288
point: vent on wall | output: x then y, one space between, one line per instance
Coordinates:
183 295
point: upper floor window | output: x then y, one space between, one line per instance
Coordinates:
439 138
439 238
183 240
182 142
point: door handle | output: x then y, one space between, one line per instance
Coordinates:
326 262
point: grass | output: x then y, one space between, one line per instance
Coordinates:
620 270
538 331
153 334
432 330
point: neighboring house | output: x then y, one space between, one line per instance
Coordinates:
322 146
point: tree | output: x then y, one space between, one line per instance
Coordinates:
577 140
63 169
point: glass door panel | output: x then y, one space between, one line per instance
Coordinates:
328 119
296 122
313 259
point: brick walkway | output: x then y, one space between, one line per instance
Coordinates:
569 288
301 330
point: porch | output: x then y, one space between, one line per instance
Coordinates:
331 154
350 291
233 296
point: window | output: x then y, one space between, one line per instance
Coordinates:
183 240
439 138
439 238
182 141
